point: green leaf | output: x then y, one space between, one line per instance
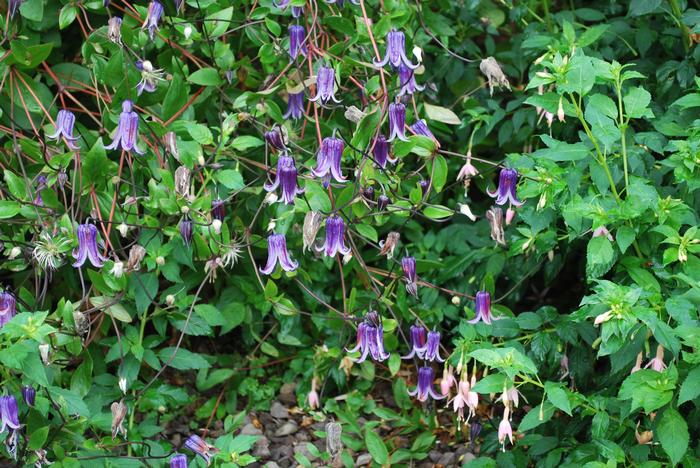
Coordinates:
175 98
438 212
205 77
580 76
558 397
636 102
592 34
183 360
648 389
536 416
691 386
624 236
672 432
32 10
600 256
8 209
688 101
244 142
643 7
67 16
230 178
439 172
15 185
376 446
218 23
560 151
441 114
38 437
367 231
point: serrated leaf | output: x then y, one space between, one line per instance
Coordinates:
690 389
183 359
375 446
672 432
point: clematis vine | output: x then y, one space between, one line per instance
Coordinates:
8 307
408 265
418 340
88 247
297 35
277 253
186 228
430 351
127 132
370 339
276 137
29 395
295 106
335 237
178 460
407 81
155 11
297 11
395 51
201 447
397 122
381 151
325 86
328 160
507 182
419 127
65 120
218 209
424 388
149 77
483 309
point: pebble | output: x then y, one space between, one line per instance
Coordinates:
250 429
287 393
262 448
277 410
288 428
447 459
363 459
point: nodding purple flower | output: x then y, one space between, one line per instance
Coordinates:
424 186
29 395
8 307
507 182
178 5
483 309
368 193
295 106
127 132
381 151
277 253
286 178
155 11
200 447
407 81
335 236
341 3
14 6
328 160
297 46
218 209
474 431
65 120
425 389
408 265
382 202
186 230
370 339
178 461
297 11
87 247
114 29
397 121
325 86
9 413
419 127
396 51
417 341
431 350
40 185
275 138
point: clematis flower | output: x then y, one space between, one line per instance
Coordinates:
417 342
505 429
430 351
657 362
201 448
8 413
341 3
370 339
424 389
8 307
297 11
276 138
149 77
155 11
367 193
407 81
65 120
277 253
186 230
114 30
335 237
29 395
395 51
218 209
41 184
483 308
325 86
397 122
424 186
295 106
507 182
328 160
127 132
297 34
178 461
382 202
419 127
381 152
474 431
408 265
87 247
495 217
13 6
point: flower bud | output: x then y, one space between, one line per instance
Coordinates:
201 161
123 229
216 226
170 300
117 270
14 252
44 352
160 261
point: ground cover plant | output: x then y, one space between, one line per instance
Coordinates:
329 233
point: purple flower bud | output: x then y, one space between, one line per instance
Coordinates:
286 178
297 11
507 182
325 86
62 177
335 236
474 431
407 81
368 193
155 11
421 128
295 106
40 185
370 339
417 341
65 120
218 209
424 186
178 5
13 6
328 160
396 51
186 230
483 309
397 122
275 138
200 447
381 152
87 247
8 307
431 350
297 35
178 461
408 265
9 413
127 132
277 253
114 30
425 389
29 395
382 202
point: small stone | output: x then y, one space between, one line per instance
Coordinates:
447 459
467 458
287 393
303 449
250 429
271 464
290 427
278 411
363 459
434 456
282 452
261 448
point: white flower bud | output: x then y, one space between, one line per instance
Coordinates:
185 209
122 385
170 300
455 300
270 198
123 229
117 270
160 260
14 253
187 31
271 225
216 226
347 258
201 161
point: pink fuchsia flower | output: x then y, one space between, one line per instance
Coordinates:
506 192
127 132
407 81
325 86
88 247
510 214
335 237
328 160
505 429
8 307
277 253
395 51
418 340
370 339
483 308
638 363
447 381
286 179
65 120
297 35
424 388
201 447
657 362
470 396
397 122
602 231
312 397
408 265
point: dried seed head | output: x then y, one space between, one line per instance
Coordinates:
136 254
334 444
389 245
82 323
353 114
182 181
492 70
119 411
312 223
44 352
